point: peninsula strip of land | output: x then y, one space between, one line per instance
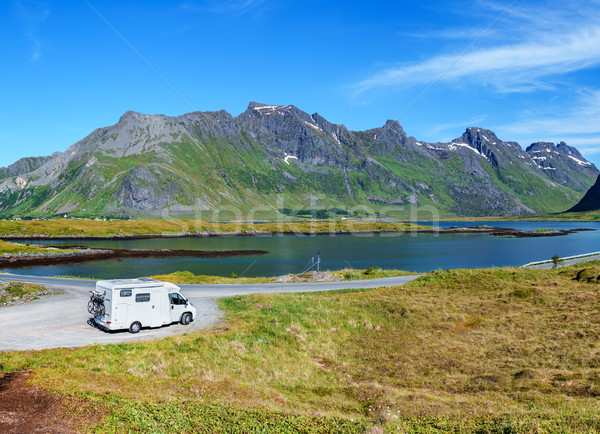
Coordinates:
81 229
17 255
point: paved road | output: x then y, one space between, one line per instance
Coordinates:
567 262
61 321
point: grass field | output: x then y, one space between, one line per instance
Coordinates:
120 228
8 248
93 228
493 350
590 216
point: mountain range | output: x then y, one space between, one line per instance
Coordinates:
280 157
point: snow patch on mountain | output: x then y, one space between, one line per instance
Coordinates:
272 109
453 146
316 127
335 137
287 157
578 161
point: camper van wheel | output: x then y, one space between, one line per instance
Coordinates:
135 327
186 318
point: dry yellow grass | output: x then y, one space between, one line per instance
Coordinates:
186 277
20 248
589 216
78 227
495 350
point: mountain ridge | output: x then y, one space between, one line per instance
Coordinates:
149 165
590 201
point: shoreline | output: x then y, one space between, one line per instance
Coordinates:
495 231
89 255
201 235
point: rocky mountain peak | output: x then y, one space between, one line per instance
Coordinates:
394 125
569 150
273 117
548 150
477 136
24 165
131 115
562 163
339 133
393 130
483 141
259 109
320 120
254 105
135 120
540 146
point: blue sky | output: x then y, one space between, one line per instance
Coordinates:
529 70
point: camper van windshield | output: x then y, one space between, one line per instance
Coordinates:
177 299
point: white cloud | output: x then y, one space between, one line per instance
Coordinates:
469 33
582 118
578 126
223 7
31 14
36 47
592 150
515 67
538 45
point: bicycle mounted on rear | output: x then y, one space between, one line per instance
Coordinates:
96 304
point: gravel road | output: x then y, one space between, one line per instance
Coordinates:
61 320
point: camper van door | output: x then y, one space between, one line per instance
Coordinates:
142 310
165 308
121 299
178 305
157 301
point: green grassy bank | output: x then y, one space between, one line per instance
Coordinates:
186 277
589 216
492 350
97 228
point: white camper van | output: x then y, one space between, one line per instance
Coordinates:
136 303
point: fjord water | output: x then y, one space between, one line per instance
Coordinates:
290 254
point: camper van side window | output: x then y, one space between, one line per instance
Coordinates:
140 298
125 292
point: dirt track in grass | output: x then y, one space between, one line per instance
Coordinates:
28 409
